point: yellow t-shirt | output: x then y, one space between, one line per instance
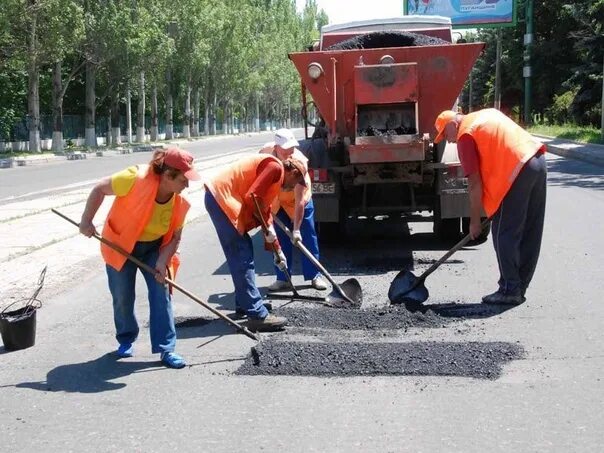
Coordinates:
122 182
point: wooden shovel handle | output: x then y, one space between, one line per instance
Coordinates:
152 271
447 255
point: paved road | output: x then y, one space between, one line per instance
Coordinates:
68 393
29 181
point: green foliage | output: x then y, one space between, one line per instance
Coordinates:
573 132
566 57
560 109
233 51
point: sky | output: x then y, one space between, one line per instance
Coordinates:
340 11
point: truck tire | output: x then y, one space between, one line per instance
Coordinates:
445 229
330 232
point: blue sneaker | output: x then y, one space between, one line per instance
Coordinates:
125 350
173 360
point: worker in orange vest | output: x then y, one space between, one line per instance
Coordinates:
229 200
507 178
295 209
145 220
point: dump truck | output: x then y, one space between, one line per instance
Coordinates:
376 88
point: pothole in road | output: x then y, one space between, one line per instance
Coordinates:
464 359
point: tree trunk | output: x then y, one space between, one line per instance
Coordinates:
57 108
196 101
226 123
128 114
206 116
213 116
154 119
33 93
169 107
140 113
116 135
257 119
186 131
108 138
90 114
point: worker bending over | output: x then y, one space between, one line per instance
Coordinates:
295 206
507 177
229 200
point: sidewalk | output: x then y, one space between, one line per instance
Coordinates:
587 152
123 148
45 239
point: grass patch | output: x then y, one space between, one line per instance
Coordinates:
582 134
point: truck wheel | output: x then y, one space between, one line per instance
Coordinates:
330 232
465 227
446 229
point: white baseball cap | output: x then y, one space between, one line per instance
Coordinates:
285 139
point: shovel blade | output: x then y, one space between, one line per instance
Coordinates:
405 289
352 289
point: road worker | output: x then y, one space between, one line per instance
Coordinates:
295 208
507 177
145 220
229 200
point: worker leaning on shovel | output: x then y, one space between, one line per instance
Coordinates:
229 200
507 177
295 206
145 220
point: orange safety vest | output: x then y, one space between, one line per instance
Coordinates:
503 148
231 185
287 198
130 214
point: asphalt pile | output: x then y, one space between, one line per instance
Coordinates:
389 317
467 359
382 39
375 132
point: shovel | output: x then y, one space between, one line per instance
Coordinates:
406 288
145 267
296 295
349 293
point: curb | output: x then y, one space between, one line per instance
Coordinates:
577 155
577 150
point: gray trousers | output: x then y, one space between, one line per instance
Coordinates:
517 227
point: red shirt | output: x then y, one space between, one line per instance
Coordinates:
268 173
468 155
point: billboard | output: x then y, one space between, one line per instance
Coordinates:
467 13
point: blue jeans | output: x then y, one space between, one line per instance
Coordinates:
309 240
122 284
239 252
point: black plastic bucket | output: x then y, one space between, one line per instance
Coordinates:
18 327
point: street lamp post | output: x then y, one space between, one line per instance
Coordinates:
526 70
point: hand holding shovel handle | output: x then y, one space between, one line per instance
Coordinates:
313 260
275 251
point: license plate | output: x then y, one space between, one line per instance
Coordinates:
323 187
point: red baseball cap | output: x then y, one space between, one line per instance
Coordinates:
181 160
441 122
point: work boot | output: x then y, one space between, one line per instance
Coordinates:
240 312
499 298
318 283
279 285
269 324
125 350
173 360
